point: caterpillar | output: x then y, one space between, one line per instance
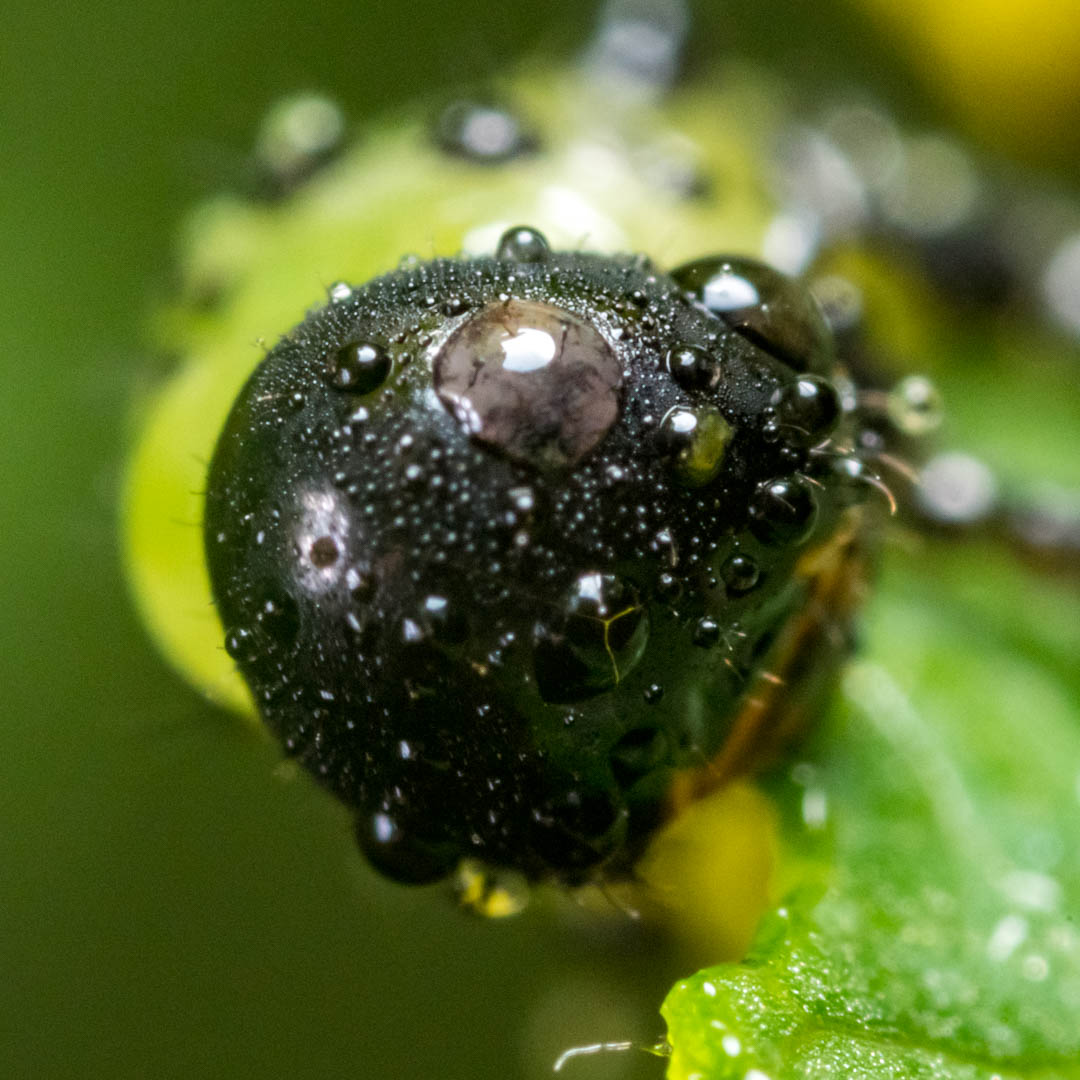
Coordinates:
555 510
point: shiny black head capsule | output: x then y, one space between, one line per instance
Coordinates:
465 526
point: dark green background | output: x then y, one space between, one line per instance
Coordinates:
167 906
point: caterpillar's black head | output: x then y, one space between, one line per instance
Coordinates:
497 541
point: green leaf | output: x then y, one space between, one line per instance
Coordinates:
945 942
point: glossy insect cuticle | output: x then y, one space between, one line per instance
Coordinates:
520 558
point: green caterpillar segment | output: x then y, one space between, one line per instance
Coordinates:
593 184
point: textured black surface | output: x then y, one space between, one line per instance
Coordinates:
507 655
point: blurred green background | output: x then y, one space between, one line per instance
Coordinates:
168 905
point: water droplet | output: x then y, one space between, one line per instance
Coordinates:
691 367
532 380
669 586
807 410
694 441
358 367
653 693
404 858
915 405
740 573
522 244
706 632
522 498
783 511
777 313
483 133
299 134
240 644
340 292
956 489
592 642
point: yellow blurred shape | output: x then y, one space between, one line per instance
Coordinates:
710 873
1009 69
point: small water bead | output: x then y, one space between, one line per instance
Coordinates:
706 632
669 586
524 245
404 858
531 380
807 410
777 313
915 406
339 292
691 367
240 644
523 499
455 305
694 441
483 133
783 511
740 573
590 645
359 367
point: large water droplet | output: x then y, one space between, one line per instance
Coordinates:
592 642
532 380
775 312
694 441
